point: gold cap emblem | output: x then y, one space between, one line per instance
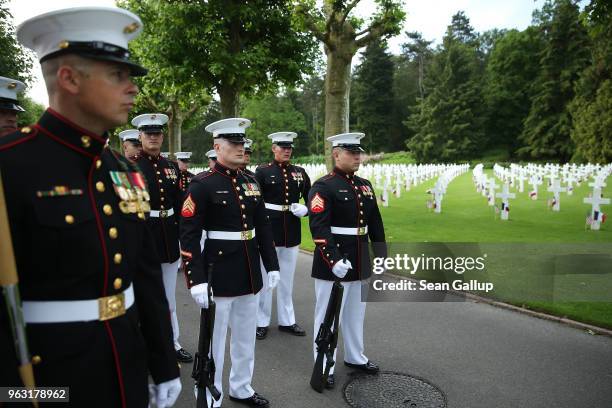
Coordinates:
129 29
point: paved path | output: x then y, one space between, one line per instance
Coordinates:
478 355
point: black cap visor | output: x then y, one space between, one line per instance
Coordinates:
237 138
10 104
151 128
351 147
101 51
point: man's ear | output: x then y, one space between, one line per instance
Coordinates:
69 79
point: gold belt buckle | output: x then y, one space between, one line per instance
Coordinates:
111 307
163 213
285 207
246 235
361 230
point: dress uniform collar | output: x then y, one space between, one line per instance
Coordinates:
150 156
282 165
68 133
343 174
225 170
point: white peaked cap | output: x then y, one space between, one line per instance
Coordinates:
350 141
96 32
228 126
130 134
150 120
9 88
182 155
211 154
282 137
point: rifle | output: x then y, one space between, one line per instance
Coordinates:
327 338
10 289
204 366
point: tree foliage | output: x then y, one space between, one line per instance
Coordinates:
271 114
546 134
232 47
448 123
591 110
373 95
15 62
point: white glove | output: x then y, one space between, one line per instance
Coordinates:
341 268
164 395
199 293
299 210
273 279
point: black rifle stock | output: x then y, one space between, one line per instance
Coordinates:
327 338
204 366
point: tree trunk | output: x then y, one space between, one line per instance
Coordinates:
337 85
175 123
229 101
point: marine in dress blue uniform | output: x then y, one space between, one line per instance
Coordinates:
97 320
283 185
162 176
345 221
228 205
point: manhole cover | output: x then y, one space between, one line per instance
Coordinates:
391 390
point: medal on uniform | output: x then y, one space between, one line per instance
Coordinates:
251 189
59 191
142 195
367 191
122 191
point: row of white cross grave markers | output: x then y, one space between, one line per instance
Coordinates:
391 179
569 174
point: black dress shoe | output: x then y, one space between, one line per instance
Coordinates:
254 400
293 329
261 333
368 368
183 356
331 382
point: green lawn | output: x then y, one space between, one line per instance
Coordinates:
466 217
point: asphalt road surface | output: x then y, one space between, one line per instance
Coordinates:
476 354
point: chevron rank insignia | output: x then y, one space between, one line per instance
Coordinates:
189 207
317 204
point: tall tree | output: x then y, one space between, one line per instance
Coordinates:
232 46
167 88
546 134
591 109
373 96
342 36
448 123
418 49
15 63
512 67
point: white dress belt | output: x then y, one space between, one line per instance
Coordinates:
232 235
161 213
69 311
277 207
349 231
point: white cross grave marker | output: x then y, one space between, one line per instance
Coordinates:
505 195
596 200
